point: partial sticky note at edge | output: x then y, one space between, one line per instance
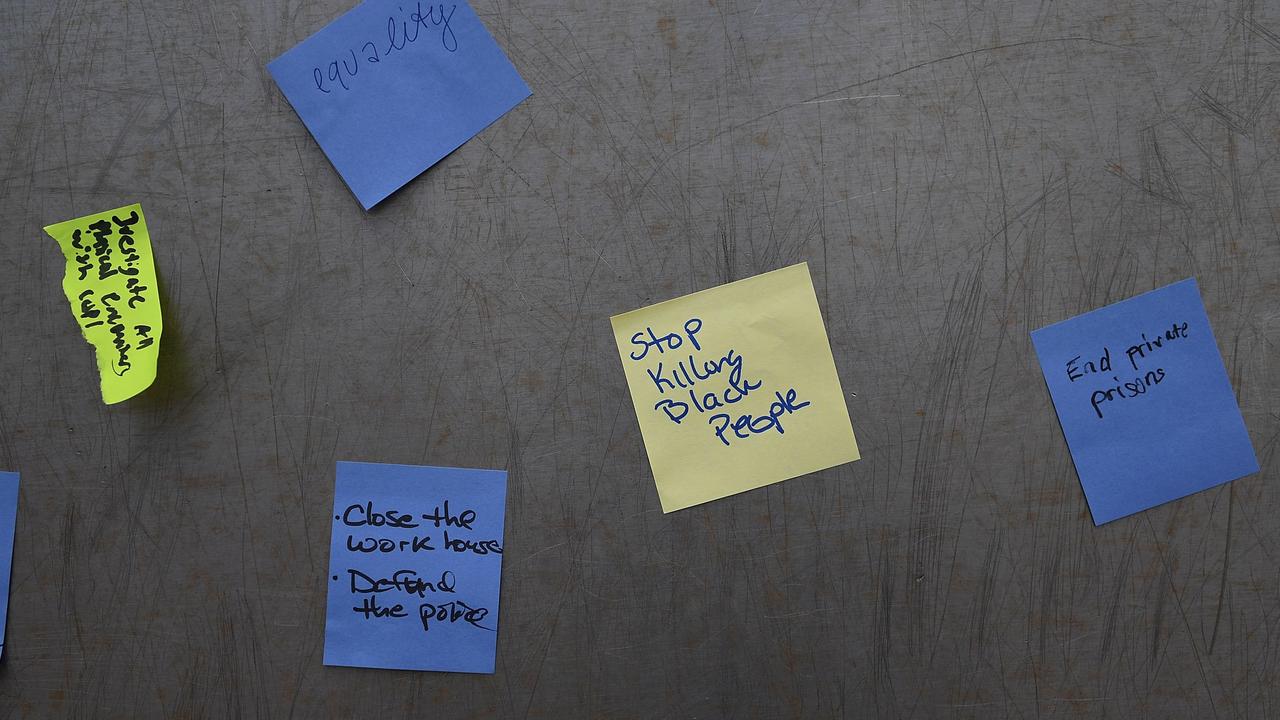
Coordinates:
8 525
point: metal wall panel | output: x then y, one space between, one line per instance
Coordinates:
955 175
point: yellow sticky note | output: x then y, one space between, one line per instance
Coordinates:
735 387
110 282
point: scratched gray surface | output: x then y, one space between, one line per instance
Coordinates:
955 176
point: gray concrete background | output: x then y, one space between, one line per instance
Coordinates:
955 174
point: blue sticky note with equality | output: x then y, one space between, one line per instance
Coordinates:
415 566
8 522
391 87
1144 401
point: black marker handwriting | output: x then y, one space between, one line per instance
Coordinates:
461 520
688 375
359 515
452 612
82 259
387 593
744 426
1137 354
120 364
89 310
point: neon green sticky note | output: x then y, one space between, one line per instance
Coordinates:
735 387
110 282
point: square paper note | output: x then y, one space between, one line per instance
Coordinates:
8 522
415 563
735 387
391 87
1144 401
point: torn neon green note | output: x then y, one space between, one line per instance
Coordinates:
110 282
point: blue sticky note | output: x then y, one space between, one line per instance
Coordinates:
8 521
1144 401
391 87
415 565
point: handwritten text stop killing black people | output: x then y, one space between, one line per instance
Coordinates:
1141 357
712 384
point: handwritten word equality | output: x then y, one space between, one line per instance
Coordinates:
1138 385
400 34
